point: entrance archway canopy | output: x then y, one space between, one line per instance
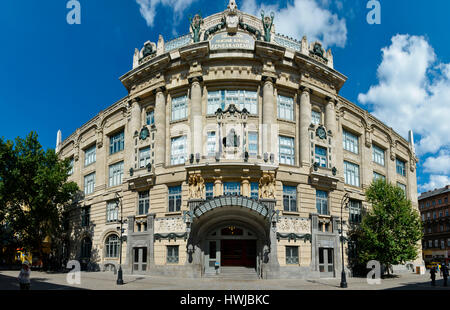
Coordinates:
231 201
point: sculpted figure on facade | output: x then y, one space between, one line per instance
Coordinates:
196 187
148 50
267 186
196 23
267 24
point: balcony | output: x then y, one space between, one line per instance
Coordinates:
325 177
141 178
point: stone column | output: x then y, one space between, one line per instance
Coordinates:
246 187
133 129
135 124
196 116
305 121
330 116
160 122
151 241
268 115
218 189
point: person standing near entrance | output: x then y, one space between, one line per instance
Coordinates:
433 276
24 276
444 273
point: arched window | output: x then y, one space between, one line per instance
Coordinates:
86 246
112 246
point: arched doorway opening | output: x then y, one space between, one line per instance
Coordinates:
226 234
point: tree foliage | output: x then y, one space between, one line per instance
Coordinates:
33 191
391 230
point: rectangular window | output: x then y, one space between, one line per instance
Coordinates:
179 108
144 157
430 243
116 143
85 216
211 143
355 207
377 176
115 174
89 183
377 155
290 198
402 186
71 166
174 198
321 156
285 108
253 144
322 202
215 102
209 190
291 255
144 202
286 150
351 172
231 188
172 254
242 99
350 142
112 211
254 190
316 117
401 167
89 156
178 151
221 99
150 118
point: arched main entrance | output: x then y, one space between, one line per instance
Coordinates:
230 233
230 246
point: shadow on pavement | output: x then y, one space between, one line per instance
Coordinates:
11 283
422 286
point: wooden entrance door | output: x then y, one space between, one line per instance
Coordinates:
238 253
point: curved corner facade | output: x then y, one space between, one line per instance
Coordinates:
233 150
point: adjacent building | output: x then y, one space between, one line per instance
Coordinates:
232 149
434 210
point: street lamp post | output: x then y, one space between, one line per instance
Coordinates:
119 273
344 202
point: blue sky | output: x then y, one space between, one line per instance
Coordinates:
58 76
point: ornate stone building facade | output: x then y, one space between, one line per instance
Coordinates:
232 148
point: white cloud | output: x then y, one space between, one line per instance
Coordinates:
304 17
407 98
148 8
439 164
413 92
436 181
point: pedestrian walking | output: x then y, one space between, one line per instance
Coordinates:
24 276
444 273
433 276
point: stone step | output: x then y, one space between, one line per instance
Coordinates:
235 273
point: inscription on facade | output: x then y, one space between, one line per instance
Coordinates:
237 41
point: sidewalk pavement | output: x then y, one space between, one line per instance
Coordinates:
107 281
